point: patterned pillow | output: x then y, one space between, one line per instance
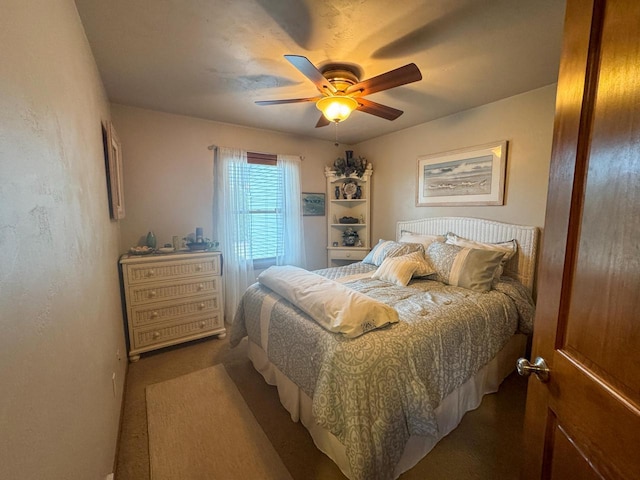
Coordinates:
389 248
400 270
508 248
470 268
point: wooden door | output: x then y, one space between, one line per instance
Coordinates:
584 422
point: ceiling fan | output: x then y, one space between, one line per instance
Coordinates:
342 90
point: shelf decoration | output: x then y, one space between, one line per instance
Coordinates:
350 237
347 166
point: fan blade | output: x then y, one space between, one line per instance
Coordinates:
377 109
394 78
290 100
322 122
309 70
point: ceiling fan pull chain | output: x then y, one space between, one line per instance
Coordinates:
336 130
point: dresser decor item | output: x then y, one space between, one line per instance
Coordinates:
348 220
151 240
172 298
141 250
205 244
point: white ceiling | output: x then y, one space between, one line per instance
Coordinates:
213 58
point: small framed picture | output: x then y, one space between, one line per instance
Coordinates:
313 204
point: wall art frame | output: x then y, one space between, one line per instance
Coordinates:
313 204
468 176
114 170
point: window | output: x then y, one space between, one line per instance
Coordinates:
265 197
258 216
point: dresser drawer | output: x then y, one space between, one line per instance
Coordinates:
186 327
172 269
159 312
347 254
156 292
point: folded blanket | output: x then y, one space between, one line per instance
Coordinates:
332 305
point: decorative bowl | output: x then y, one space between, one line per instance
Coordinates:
348 220
199 245
143 250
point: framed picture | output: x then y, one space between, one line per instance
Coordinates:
470 176
313 204
113 164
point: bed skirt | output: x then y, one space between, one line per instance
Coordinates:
448 414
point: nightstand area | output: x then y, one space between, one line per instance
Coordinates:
172 298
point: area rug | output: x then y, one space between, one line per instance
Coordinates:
200 428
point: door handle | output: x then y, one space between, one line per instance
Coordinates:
539 368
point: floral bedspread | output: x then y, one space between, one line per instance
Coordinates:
375 391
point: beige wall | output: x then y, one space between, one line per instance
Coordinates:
168 173
60 312
525 120
168 170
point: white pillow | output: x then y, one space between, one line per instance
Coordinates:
398 270
423 239
332 305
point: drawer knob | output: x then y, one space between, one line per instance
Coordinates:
152 293
154 314
348 255
203 324
201 306
201 286
198 268
156 334
152 272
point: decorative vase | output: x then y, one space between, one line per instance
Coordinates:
349 237
151 240
349 154
337 192
358 191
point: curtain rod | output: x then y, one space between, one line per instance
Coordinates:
215 147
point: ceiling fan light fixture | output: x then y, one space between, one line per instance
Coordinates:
337 108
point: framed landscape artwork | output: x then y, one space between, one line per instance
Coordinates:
469 176
313 204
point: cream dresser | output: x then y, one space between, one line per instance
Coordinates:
172 298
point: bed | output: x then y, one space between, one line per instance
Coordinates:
378 403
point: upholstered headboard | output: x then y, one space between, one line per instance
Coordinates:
521 267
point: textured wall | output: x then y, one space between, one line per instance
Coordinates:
525 120
60 312
168 173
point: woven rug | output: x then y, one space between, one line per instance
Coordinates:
201 429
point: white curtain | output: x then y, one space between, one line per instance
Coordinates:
233 221
293 229
233 224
